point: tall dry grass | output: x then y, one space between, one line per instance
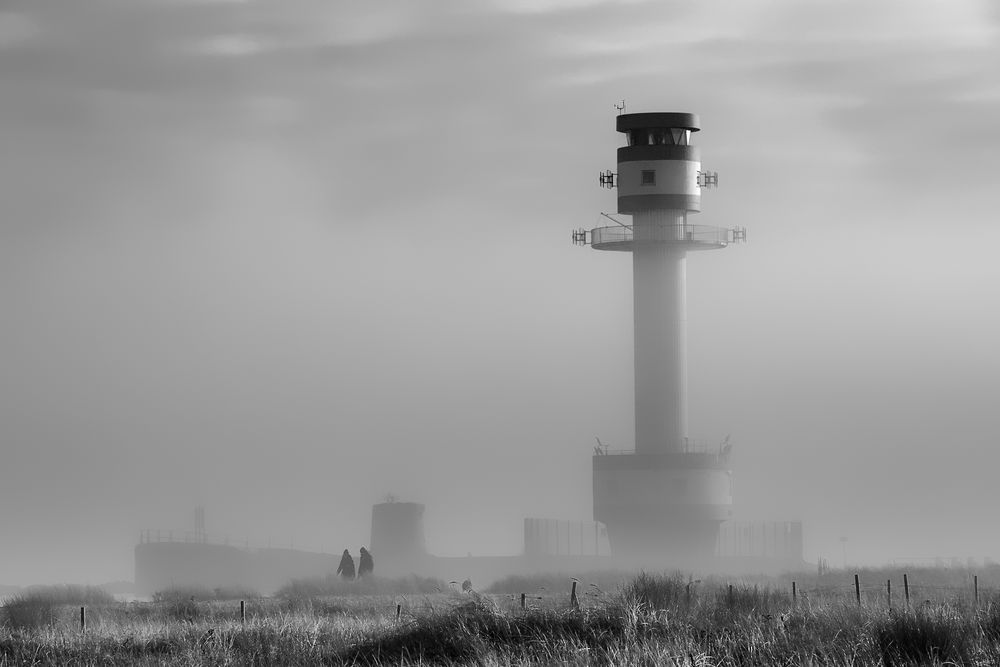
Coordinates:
39 606
651 619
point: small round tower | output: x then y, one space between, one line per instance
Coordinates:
397 539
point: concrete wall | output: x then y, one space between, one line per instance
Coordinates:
162 565
763 546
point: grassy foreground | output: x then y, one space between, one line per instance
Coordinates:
649 620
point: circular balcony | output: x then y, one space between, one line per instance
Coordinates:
688 237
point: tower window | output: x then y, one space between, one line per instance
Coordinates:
648 177
681 137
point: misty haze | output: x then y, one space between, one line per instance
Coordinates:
281 280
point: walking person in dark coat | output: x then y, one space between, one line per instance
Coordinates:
346 568
367 564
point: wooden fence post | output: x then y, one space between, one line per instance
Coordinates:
857 589
888 592
83 619
399 610
975 586
794 594
572 596
522 601
906 589
243 611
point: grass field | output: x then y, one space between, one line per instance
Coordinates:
639 620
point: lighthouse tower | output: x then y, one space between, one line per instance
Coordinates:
663 502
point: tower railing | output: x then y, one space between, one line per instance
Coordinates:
688 235
691 446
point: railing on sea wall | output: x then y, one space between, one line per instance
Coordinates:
781 540
155 536
564 537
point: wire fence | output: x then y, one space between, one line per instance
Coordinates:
891 592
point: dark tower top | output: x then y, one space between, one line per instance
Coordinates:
684 121
658 129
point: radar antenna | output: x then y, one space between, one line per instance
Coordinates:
708 179
725 448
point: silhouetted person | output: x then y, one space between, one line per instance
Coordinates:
346 567
367 564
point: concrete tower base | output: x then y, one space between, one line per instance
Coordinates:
662 509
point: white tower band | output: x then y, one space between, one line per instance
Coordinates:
664 501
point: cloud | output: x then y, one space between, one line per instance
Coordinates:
16 28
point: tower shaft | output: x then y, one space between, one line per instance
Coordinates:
660 312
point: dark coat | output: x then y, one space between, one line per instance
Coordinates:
346 568
367 564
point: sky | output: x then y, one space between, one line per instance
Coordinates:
283 259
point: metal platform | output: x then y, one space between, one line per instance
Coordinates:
690 237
